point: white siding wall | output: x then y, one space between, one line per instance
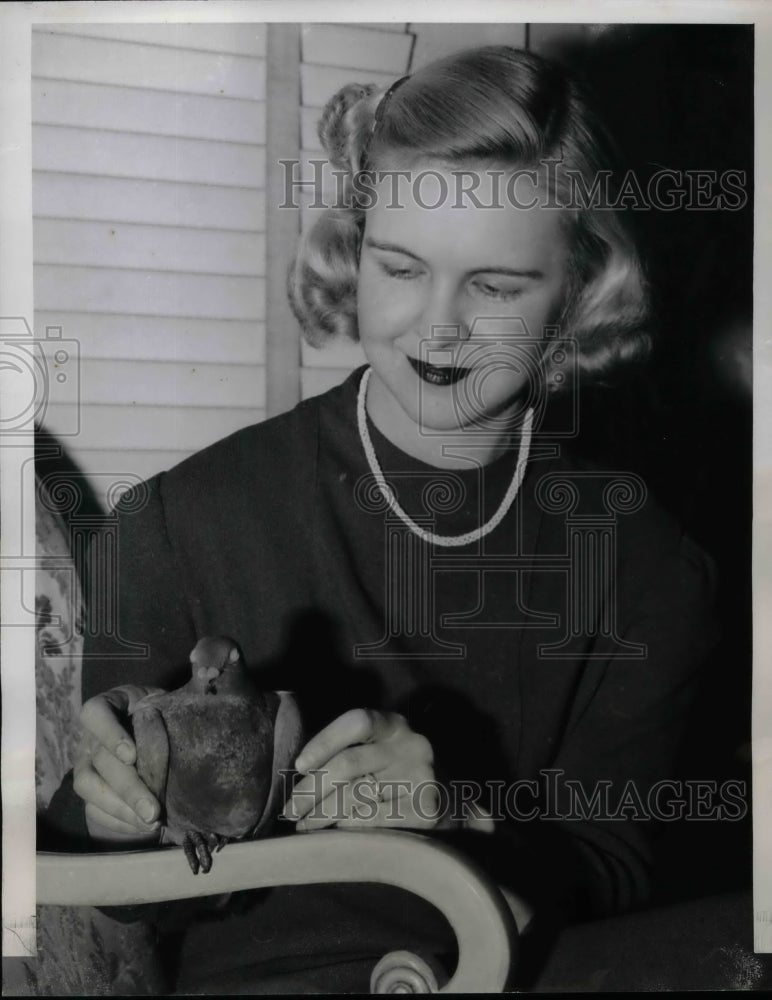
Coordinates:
332 56
149 160
149 233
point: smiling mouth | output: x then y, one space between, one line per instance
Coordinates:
438 375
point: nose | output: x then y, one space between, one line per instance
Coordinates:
444 323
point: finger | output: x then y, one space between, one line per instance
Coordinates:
360 725
393 788
353 762
126 784
99 795
99 719
421 785
386 820
103 826
407 812
415 805
358 799
409 753
399 766
321 816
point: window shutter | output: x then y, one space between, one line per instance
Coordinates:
149 234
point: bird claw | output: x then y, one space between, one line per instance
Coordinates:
199 847
189 848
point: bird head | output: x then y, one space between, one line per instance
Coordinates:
216 665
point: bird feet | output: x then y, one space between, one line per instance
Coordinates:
198 849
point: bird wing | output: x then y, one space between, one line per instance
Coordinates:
287 741
152 741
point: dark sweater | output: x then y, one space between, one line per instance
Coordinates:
270 536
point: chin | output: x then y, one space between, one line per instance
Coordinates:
448 418
462 412
445 409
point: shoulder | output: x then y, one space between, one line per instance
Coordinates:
264 464
589 491
261 460
653 549
240 457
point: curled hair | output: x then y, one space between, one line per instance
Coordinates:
493 105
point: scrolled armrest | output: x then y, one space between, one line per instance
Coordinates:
474 907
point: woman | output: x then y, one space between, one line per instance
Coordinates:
460 605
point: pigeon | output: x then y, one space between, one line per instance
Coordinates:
213 750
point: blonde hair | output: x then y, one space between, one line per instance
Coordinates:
495 105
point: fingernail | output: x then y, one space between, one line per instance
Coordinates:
125 752
146 810
300 763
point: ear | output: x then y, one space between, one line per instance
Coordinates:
233 655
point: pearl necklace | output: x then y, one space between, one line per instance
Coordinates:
386 492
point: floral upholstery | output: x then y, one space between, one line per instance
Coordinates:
59 633
81 951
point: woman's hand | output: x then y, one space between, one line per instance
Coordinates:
366 769
119 806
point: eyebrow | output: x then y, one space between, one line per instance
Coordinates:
512 272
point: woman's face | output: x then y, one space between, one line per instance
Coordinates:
452 300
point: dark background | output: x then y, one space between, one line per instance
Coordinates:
681 97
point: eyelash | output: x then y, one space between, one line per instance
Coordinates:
489 291
403 273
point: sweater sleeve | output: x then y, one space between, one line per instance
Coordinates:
587 851
625 734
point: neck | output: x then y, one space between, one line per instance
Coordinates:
459 449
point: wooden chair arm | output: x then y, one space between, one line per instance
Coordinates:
474 907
